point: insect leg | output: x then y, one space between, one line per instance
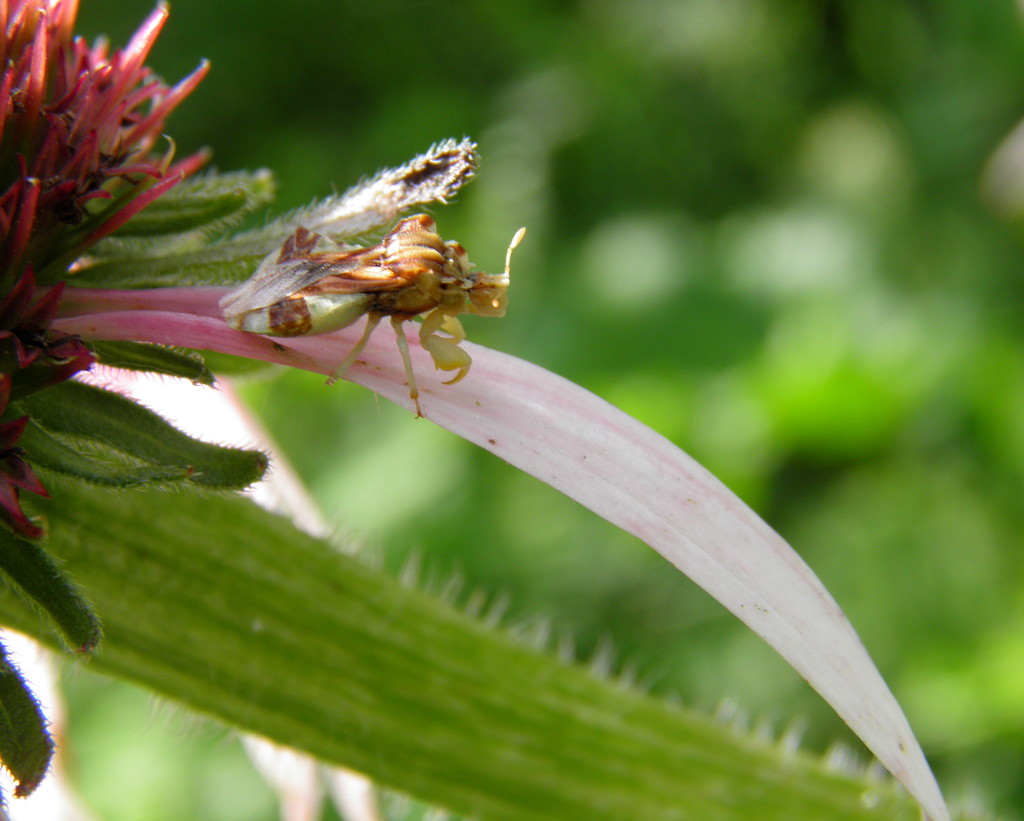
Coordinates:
372 320
446 353
403 348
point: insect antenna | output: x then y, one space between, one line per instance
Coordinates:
511 247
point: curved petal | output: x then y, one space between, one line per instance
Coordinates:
635 478
627 474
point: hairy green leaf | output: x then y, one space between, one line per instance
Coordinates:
98 417
225 364
219 605
25 744
89 461
140 356
209 202
218 264
36 576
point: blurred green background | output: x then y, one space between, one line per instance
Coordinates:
777 232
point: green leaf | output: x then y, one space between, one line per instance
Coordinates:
214 603
209 202
25 744
36 576
89 462
225 364
221 263
97 418
140 356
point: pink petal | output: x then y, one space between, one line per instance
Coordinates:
624 472
130 210
10 432
24 221
4 12
130 62
11 512
638 480
6 84
45 308
33 97
85 158
13 305
19 474
66 12
155 118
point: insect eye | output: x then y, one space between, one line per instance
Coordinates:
489 300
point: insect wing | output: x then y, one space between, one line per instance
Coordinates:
297 266
273 282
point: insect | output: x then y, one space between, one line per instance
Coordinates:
312 286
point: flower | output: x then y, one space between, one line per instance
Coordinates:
30 352
78 132
77 126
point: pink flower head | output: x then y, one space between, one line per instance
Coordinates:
78 125
79 130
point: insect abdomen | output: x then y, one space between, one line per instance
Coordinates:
299 316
